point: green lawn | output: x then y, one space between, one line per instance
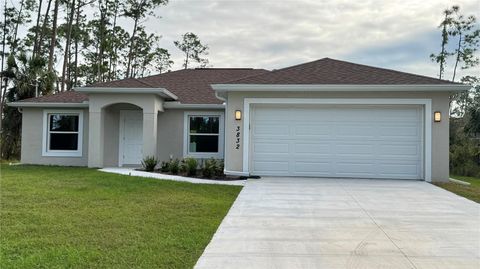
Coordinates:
63 217
471 192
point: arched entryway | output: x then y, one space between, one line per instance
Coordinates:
123 135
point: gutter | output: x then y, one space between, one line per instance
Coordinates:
45 104
338 87
159 91
178 105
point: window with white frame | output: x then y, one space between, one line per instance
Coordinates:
204 134
63 133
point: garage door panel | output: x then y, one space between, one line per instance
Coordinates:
271 148
337 141
313 148
400 131
271 128
309 166
313 129
272 167
354 131
400 150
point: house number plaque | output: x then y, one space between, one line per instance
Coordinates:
237 138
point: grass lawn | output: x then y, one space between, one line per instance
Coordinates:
471 192
63 217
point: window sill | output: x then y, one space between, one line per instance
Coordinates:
217 155
62 154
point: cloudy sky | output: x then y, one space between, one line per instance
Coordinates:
397 34
278 33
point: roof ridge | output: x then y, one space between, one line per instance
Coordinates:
392 70
343 62
145 83
276 70
248 76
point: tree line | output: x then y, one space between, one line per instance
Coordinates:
86 47
460 42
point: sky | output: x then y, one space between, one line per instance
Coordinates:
271 34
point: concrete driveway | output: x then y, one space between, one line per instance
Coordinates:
346 223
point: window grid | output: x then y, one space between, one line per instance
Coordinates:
190 134
49 132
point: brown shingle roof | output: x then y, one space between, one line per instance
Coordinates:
63 97
192 86
124 83
330 71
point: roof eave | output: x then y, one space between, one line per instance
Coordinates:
339 87
178 105
47 104
162 92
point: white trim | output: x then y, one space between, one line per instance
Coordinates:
159 91
338 87
40 104
235 173
178 105
221 134
61 153
427 103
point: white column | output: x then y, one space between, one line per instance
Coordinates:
150 134
95 139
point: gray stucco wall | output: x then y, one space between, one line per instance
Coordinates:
170 134
32 135
440 131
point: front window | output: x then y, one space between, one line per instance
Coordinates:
204 135
62 134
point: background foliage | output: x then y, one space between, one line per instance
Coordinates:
65 47
460 41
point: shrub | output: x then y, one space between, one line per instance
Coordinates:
164 167
149 163
212 167
219 168
189 165
463 155
208 169
174 166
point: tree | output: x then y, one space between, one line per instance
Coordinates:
66 55
53 38
162 60
468 35
193 49
24 74
137 10
464 106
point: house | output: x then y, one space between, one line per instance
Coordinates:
326 118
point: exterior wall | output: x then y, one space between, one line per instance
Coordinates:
170 133
32 135
440 130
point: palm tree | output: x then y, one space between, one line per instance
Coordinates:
23 75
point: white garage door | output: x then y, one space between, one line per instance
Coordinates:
337 141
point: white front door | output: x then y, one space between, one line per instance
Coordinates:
131 137
337 141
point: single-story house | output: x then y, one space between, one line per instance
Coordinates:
326 118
